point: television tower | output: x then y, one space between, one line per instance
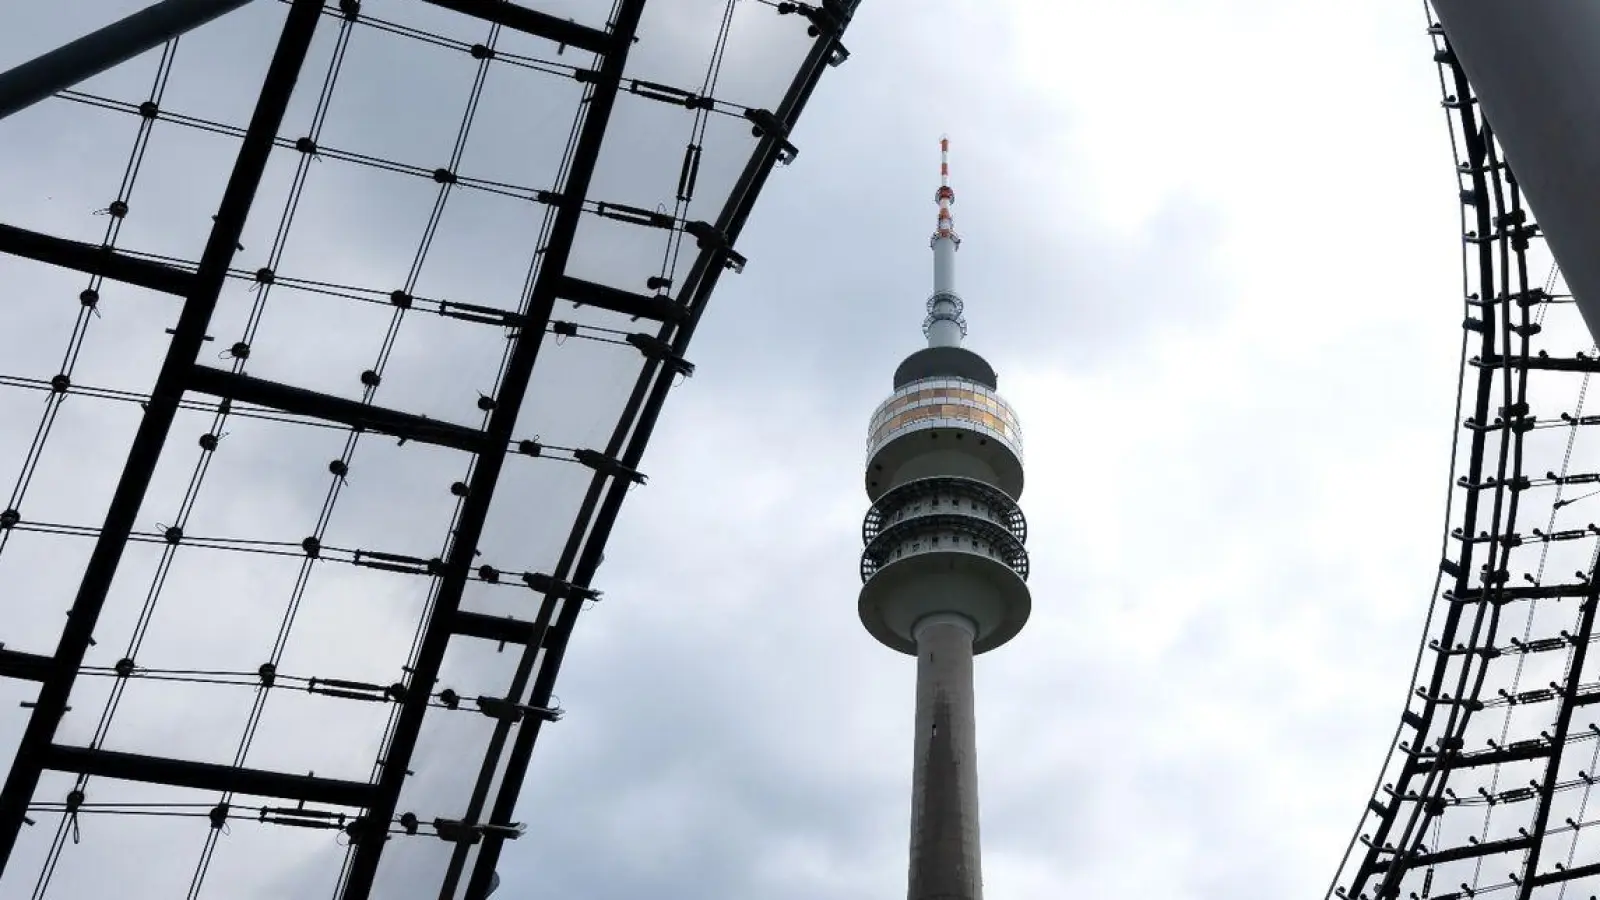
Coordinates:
944 571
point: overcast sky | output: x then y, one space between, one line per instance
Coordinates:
1211 248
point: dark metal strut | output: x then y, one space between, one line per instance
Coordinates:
486 474
650 390
100 50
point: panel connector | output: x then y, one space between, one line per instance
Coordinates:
555 587
659 350
708 237
507 711
606 465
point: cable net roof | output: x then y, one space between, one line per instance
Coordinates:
1488 789
321 612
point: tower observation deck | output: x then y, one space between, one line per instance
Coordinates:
944 571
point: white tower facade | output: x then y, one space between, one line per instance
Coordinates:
945 568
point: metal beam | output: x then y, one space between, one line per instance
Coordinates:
98 51
531 21
1519 592
1558 738
696 290
600 100
207 776
539 633
1559 874
1455 762
501 629
1411 862
24 666
288 398
188 337
1542 363
95 259
586 293
1484 257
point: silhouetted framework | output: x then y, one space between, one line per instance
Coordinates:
1489 787
648 324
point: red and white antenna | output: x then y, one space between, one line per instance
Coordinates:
944 325
945 196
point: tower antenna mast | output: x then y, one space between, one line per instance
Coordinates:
945 197
944 325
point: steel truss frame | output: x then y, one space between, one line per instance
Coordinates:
1476 582
614 469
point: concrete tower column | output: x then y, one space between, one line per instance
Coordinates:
945 569
945 863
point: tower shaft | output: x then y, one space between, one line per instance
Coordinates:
944 781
